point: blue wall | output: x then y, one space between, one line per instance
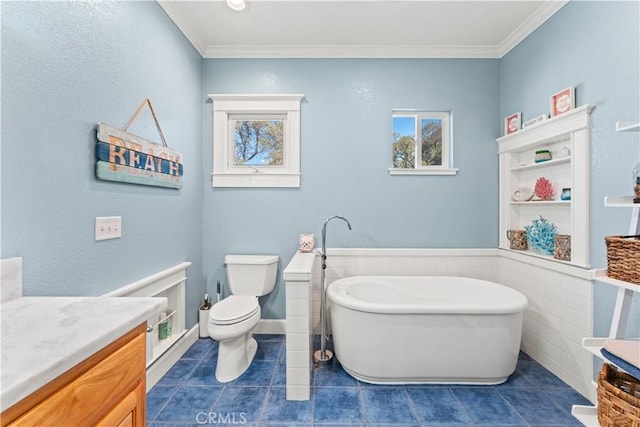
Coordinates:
65 67
595 47
346 150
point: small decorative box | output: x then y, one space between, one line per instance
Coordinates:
542 156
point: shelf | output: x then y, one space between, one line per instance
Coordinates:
548 131
601 276
620 202
543 202
627 126
164 319
587 415
594 345
534 254
541 164
162 346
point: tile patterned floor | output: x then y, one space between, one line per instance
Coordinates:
189 395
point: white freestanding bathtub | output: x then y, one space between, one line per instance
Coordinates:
397 329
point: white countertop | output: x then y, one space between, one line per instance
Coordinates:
43 337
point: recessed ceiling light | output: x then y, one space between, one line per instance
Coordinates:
237 4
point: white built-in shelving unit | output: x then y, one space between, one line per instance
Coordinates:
588 415
169 284
567 138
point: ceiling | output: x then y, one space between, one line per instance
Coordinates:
359 28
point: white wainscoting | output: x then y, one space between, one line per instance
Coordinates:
559 315
560 296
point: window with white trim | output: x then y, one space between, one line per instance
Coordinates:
256 140
421 143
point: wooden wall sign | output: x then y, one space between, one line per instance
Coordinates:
125 157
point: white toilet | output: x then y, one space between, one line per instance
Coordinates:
231 321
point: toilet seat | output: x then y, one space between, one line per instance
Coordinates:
233 309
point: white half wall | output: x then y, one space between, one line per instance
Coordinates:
559 314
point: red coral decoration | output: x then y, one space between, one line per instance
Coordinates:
543 189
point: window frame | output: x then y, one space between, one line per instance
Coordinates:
226 109
446 168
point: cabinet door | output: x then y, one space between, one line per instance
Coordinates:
128 412
95 393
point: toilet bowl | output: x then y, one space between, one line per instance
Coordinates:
231 321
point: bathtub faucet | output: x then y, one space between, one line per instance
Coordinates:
324 237
324 355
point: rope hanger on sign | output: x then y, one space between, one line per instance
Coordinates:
147 101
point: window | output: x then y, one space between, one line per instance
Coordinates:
421 143
256 140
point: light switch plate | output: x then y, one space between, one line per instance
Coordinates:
108 227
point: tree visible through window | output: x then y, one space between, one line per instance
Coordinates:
431 131
404 142
258 142
421 141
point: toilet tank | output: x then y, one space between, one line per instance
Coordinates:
251 274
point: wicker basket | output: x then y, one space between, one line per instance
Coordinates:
623 258
618 398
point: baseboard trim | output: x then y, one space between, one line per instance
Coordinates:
171 356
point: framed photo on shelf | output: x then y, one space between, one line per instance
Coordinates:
562 101
534 121
512 123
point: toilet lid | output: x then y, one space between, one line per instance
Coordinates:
234 309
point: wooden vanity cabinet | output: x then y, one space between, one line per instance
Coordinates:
106 389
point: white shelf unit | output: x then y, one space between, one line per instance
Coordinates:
588 415
620 313
169 284
175 300
542 202
620 202
627 126
518 170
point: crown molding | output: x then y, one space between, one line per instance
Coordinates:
357 51
184 25
539 17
